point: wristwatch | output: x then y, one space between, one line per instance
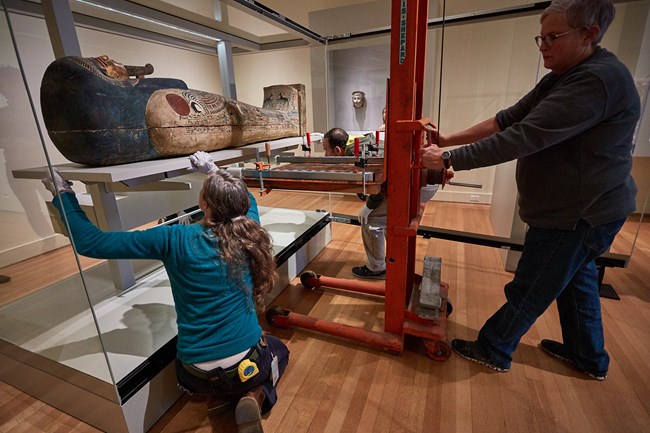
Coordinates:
446 158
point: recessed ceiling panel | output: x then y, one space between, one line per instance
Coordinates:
249 23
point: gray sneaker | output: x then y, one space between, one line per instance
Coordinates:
365 272
556 350
472 351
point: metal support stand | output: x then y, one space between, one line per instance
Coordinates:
102 184
606 290
108 219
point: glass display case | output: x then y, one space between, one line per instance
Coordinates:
97 338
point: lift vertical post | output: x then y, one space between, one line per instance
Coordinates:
405 93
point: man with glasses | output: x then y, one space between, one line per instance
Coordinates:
572 139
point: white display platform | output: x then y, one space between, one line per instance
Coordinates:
104 184
146 172
134 324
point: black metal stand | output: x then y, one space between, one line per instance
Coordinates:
602 262
606 290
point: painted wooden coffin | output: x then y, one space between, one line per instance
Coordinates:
95 117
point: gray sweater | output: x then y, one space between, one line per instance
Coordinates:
572 139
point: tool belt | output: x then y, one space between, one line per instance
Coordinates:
224 379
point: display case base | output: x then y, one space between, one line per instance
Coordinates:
55 354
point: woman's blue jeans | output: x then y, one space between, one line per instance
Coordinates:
555 265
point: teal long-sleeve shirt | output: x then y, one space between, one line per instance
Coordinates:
215 317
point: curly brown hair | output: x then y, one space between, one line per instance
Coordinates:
241 241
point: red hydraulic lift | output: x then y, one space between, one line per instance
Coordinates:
404 304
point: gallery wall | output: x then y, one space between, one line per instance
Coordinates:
360 68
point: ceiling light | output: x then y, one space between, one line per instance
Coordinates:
149 20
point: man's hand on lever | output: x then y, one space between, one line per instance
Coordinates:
434 136
449 175
431 156
437 170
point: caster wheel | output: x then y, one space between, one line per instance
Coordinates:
450 307
274 311
438 350
308 278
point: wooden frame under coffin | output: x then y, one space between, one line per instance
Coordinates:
329 174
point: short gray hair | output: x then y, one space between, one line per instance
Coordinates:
584 13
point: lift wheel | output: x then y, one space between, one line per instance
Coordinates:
275 311
309 280
437 350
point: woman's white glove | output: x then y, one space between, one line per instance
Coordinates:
55 182
203 162
363 214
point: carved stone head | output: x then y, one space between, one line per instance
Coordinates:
358 99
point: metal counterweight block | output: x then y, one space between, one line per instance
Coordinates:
430 300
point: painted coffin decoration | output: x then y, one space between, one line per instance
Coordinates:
97 114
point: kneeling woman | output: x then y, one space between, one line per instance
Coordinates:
219 271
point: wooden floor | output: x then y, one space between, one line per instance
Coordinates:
334 385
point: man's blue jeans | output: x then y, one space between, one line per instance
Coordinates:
555 265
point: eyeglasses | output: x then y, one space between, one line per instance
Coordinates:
549 39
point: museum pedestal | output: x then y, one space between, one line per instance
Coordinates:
123 379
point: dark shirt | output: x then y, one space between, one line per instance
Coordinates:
572 138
